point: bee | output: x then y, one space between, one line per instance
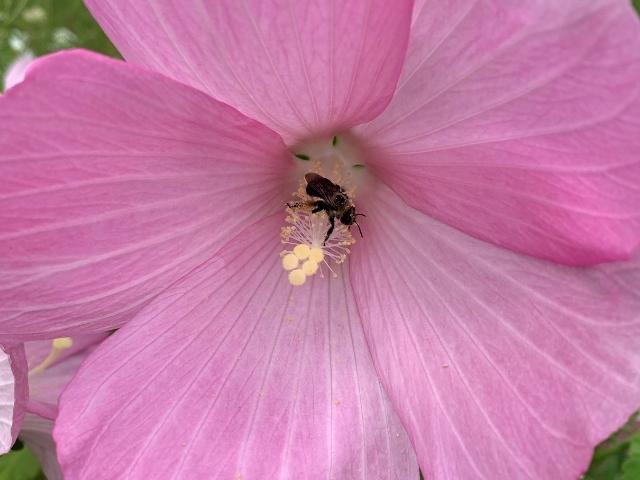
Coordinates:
333 199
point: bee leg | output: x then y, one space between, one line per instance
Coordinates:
332 221
295 205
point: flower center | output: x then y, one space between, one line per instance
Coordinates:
322 210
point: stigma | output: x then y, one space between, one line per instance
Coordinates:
58 346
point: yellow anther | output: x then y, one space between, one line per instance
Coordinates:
297 277
302 251
316 254
309 267
290 261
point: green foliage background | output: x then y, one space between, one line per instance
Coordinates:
44 26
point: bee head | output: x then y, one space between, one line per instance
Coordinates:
349 216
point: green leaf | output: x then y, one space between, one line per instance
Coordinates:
631 465
20 465
617 455
606 468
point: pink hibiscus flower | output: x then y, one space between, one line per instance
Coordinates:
13 393
491 133
14 386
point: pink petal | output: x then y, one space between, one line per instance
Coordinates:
501 366
36 433
115 183
235 374
13 393
16 71
299 67
519 125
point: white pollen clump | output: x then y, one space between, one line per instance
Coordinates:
302 251
297 277
310 267
290 261
316 254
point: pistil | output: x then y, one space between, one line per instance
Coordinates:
58 346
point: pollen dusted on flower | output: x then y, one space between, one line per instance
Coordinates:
306 231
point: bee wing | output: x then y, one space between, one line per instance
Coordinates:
318 186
